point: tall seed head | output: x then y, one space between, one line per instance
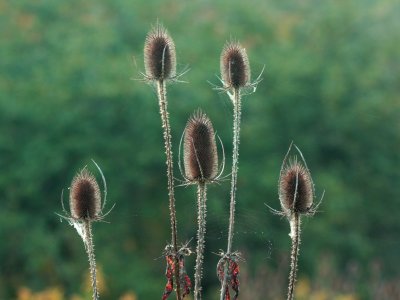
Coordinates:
296 191
200 149
159 54
234 64
85 196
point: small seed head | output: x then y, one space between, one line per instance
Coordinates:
159 54
200 149
296 191
235 68
85 197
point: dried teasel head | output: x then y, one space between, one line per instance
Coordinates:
296 188
234 64
159 54
200 149
85 196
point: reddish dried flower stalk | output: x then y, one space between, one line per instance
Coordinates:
228 269
184 279
169 273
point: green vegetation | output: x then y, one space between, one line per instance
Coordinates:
331 84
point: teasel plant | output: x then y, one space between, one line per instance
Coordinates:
160 68
86 207
296 195
200 160
235 78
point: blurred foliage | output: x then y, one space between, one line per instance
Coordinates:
331 84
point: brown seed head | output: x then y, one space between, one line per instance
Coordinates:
159 54
296 191
85 197
200 149
234 64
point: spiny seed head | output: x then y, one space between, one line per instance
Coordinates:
296 191
85 197
200 149
235 68
159 54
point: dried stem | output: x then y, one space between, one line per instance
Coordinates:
161 93
88 241
202 211
295 236
235 161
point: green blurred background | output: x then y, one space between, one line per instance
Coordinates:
68 94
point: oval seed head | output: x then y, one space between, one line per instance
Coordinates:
159 54
85 197
234 64
296 191
200 149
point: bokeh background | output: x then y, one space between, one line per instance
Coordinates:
70 91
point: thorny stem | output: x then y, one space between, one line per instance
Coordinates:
295 235
202 211
235 161
162 93
88 241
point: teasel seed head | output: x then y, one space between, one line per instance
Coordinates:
159 54
234 64
200 149
296 190
85 196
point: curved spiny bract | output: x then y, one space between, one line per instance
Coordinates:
200 149
235 67
159 55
